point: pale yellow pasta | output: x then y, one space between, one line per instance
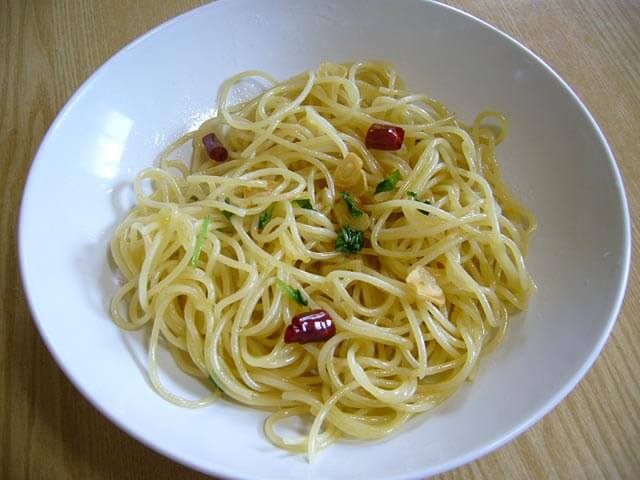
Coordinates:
415 309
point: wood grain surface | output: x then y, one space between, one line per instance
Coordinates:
49 431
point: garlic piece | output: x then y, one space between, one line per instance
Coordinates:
348 173
425 285
268 187
361 185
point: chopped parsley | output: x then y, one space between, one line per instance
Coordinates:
414 196
303 203
349 240
200 241
215 385
388 183
265 216
227 213
294 293
352 205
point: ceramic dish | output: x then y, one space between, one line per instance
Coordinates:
165 83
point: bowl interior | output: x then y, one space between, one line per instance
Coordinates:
165 84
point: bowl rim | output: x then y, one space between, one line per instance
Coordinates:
455 461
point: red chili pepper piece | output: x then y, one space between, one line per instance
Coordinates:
214 147
313 326
384 137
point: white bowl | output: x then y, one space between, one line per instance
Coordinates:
165 83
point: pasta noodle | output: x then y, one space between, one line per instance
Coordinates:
218 256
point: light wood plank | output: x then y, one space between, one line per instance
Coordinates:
48 430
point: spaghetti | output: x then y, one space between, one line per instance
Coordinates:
414 252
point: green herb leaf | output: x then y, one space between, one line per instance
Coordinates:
215 385
227 213
303 203
414 196
265 216
388 183
349 240
294 293
193 198
200 242
354 210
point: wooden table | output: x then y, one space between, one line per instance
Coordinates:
48 430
